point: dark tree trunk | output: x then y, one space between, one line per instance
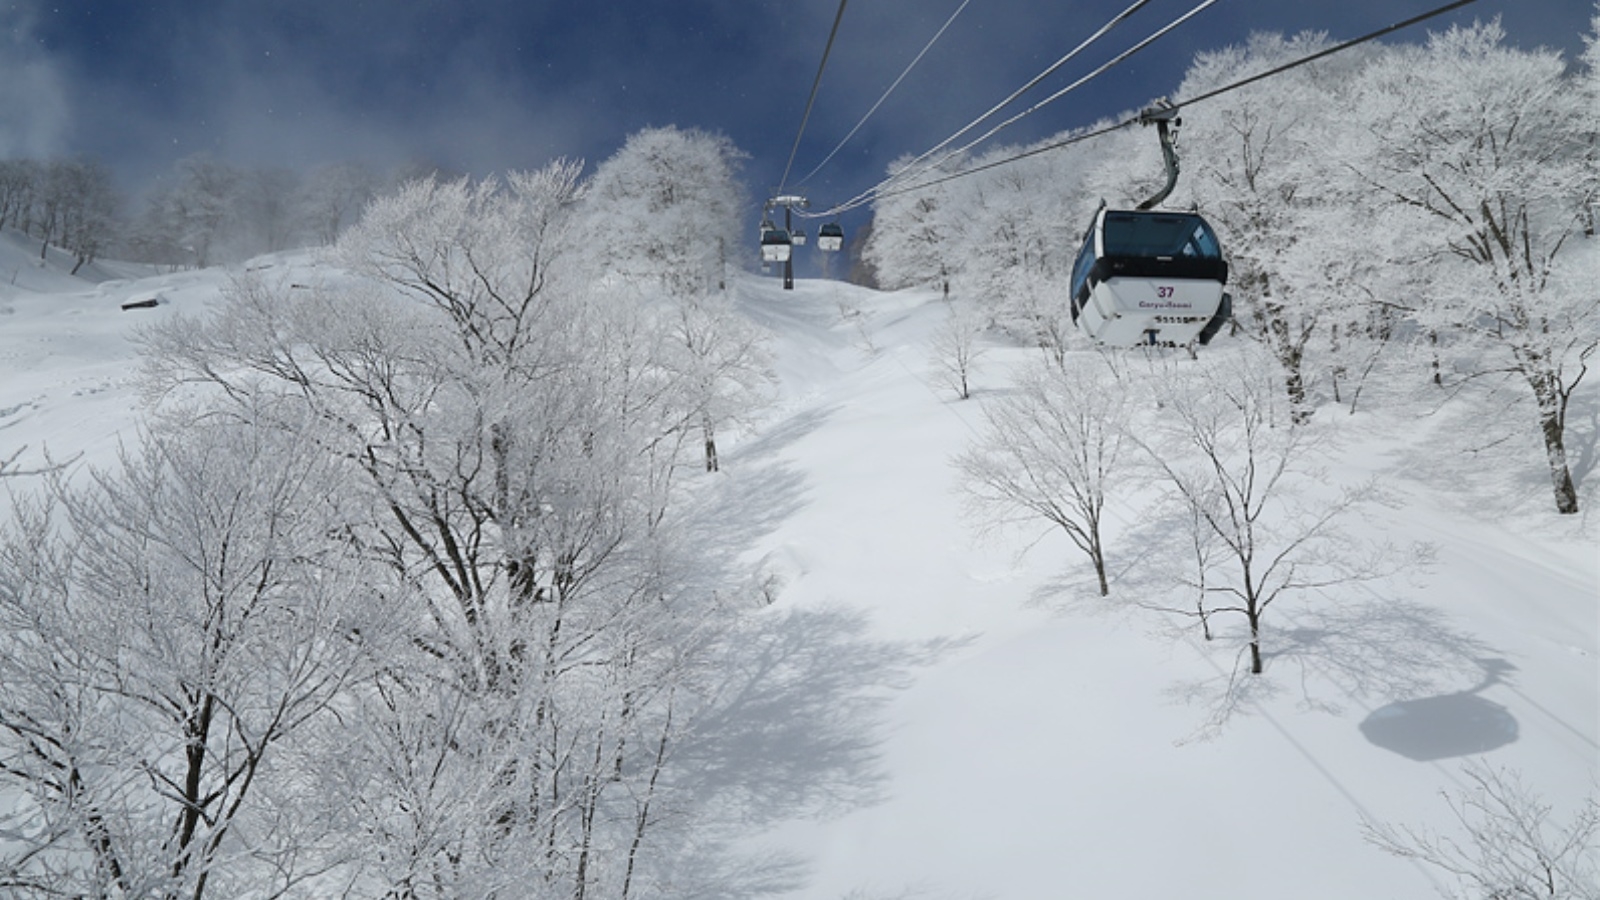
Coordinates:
710 433
1560 474
1098 554
1292 356
1552 402
1252 612
1556 451
1338 368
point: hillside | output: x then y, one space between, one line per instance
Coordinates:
69 364
1013 736
1045 750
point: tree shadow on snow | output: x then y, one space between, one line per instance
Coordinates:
788 714
753 494
1583 440
1335 652
1352 645
773 440
1144 571
1484 458
794 731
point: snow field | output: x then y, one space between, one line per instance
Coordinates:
1044 747
1046 752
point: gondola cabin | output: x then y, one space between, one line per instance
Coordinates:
776 245
797 237
830 237
1149 277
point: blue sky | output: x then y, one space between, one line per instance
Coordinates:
479 86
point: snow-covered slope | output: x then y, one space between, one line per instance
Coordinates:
68 361
1048 753
1036 747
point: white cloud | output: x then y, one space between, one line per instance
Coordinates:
34 113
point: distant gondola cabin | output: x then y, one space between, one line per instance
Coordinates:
776 245
830 237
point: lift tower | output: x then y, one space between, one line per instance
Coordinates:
789 202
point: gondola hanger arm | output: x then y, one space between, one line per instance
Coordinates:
1165 117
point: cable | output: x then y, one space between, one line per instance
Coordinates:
817 82
1008 160
866 196
1071 87
1270 73
1104 29
1328 52
925 49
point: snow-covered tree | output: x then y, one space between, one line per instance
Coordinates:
720 363
87 207
332 197
664 210
956 349
911 234
1254 163
171 634
1053 450
68 204
187 219
1506 846
1243 473
661 218
504 414
1014 243
19 181
1482 167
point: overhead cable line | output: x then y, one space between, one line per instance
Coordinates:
816 82
1069 88
938 34
1322 53
1209 95
909 171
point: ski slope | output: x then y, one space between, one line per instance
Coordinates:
1024 743
1044 753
